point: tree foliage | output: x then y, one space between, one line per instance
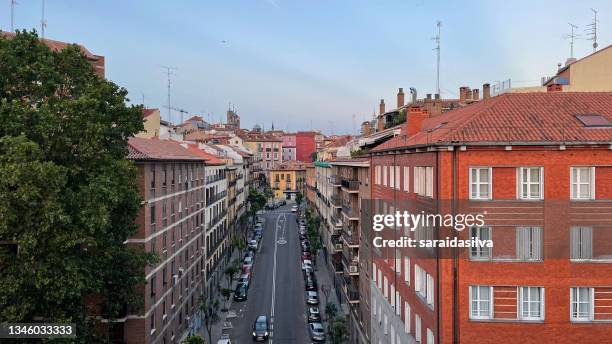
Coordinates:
338 331
194 339
68 196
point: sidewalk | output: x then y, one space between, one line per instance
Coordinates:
325 281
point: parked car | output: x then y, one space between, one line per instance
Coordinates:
294 209
316 332
306 255
312 298
313 314
260 328
248 261
308 273
283 202
253 245
246 269
240 294
257 236
249 254
302 236
311 284
245 279
306 263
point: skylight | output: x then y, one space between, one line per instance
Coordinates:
594 120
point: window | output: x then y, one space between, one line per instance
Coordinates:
378 175
398 303
480 302
406 178
153 285
480 252
581 304
417 328
386 325
428 182
407 317
398 266
407 270
397 177
391 176
532 301
420 281
581 243
385 289
384 175
583 183
152 178
153 321
430 337
530 180
392 296
529 243
380 280
374 272
430 290
480 183
152 218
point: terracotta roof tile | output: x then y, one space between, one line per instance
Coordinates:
515 117
210 158
155 149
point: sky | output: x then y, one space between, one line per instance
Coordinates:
316 64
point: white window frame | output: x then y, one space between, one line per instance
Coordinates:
406 317
475 185
529 183
524 293
397 177
386 288
417 328
392 296
378 177
406 178
529 243
479 300
392 177
430 337
398 303
428 181
407 270
374 273
574 302
575 173
581 236
481 253
384 175
430 291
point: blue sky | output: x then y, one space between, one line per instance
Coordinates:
313 64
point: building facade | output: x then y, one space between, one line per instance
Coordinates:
289 147
305 145
287 180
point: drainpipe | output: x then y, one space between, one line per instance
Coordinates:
455 260
437 166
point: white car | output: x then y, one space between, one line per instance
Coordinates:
306 264
253 244
294 209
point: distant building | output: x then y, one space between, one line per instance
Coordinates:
289 148
287 179
152 122
233 120
592 73
305 145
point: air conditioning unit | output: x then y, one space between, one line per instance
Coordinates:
353 269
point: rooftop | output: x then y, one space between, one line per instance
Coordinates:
536 118
154 149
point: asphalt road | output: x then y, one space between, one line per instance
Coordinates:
277 286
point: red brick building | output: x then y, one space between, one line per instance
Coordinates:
171 223
305 145
539 165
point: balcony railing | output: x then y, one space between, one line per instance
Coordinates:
350 266
351 185
335 180
216 219
214 198
350 238
349 212
212 179
336 201
336 221
337 244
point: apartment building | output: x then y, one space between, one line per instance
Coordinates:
289 148
288 179
170 224
305 144
539 166
351 185
267 151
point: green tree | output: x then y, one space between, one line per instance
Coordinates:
331 311
299 198
231 271
209 311
68 196
193 339
338 332
239 244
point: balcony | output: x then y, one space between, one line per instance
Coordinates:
335 180
215 178
350 291
337 267
351 267
336 221
351 186
216 197
337 244
350 238
216 219
336 202
349 212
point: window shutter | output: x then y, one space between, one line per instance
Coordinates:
520 243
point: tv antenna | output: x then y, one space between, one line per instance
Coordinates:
437 49
13 4
592 30
169 72
43 22
572 36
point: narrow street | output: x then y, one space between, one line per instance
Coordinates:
277 287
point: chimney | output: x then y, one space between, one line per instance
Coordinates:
428 96
486 91
400 98
381 107
437 96
462 94
475 94
413 92
414 120
468 94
